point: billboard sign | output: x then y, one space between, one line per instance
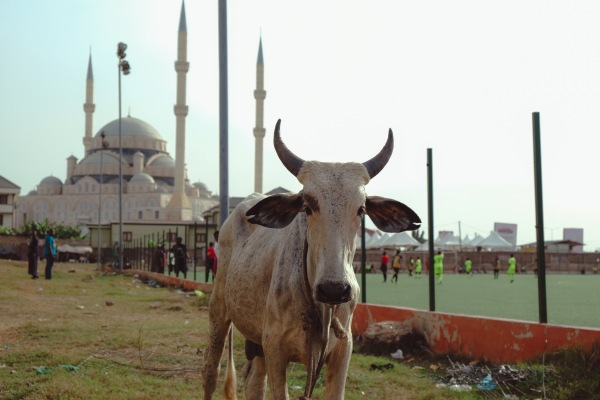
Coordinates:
576 235
507 231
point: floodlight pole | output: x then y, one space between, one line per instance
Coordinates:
539 219
102 136
120 182
122 67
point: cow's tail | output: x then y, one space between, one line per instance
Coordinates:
230 381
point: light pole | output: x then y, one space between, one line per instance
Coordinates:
124 67
103 146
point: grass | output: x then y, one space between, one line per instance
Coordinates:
571 299
150 343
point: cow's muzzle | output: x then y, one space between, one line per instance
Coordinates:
333 292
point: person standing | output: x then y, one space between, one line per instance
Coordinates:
418 267
49 252
468 265
497 268
396 265
384 265
411 266
180 252
512 267
211 258
32 254
159 259
170 261
216 236
438 266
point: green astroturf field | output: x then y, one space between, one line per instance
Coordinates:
571 299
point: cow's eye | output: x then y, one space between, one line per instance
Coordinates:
361 211
307 210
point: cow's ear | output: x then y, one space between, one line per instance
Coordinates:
276 211
391 215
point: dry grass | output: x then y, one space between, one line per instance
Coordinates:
148 344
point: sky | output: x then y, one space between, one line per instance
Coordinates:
460 77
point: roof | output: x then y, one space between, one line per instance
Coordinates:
51 181
6 184
90 74
259 60
201 185
100 157
141 177
571 243
277 190
162 161
130 126
182 23
233 202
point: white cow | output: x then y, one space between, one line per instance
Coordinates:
286 279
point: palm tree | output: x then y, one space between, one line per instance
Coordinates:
418 235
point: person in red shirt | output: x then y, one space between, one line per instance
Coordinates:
384 265
211 259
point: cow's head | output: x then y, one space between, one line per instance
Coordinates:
333 201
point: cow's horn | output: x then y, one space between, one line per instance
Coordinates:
376 164
291 161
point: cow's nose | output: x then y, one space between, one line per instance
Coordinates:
333 292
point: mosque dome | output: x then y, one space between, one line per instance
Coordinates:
201 186
98 158
162 161
50 181
141 177
130 126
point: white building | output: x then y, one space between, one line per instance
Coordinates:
8 192
155 186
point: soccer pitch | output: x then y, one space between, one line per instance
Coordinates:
571 299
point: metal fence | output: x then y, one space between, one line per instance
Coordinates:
144 253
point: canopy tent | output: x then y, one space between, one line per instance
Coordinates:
423 246
466 243
495 242
475 241
376 244
372 236
401 239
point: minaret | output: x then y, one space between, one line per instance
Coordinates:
179 207
89 107
259 130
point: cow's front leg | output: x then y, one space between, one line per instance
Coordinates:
276 363
337 369
255 378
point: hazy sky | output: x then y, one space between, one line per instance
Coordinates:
460 77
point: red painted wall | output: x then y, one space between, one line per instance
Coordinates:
491 339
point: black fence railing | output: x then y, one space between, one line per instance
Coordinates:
155 252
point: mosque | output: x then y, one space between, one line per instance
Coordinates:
156 191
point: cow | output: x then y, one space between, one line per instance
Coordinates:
286 279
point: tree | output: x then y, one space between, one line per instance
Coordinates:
60 231
418 235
